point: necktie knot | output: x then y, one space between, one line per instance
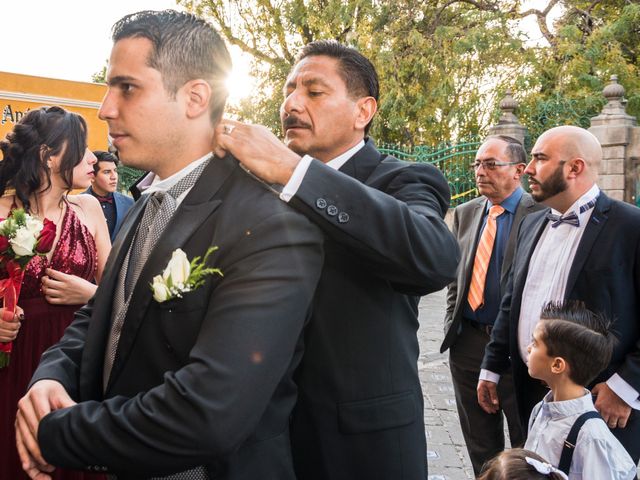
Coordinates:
106 199
570 218
495 211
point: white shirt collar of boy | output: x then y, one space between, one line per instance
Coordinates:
598 454
565 408
300 171
152 183
549 269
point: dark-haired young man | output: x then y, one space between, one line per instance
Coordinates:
360 407
103 186
197 385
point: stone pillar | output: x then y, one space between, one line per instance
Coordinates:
619 136
509 124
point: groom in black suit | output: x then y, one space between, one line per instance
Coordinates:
585 247
199 384
360 408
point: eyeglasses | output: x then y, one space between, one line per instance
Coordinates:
492 165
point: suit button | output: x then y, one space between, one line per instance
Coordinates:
343 217
169 347
332 210
321 203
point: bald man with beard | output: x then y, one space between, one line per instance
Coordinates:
585 246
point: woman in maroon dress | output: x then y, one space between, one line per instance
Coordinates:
44 157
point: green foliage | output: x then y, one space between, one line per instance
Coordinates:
127 176
101 76
566 80
444 65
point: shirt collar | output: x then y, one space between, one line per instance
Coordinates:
510 204
566 408
591 194
152 183
341 159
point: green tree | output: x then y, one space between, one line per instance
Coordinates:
444 64
592 41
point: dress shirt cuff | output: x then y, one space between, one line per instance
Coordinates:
489 376
625 391
295 181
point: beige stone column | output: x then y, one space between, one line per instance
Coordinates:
619 136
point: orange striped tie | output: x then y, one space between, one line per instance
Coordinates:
483 255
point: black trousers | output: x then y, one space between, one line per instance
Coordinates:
483 432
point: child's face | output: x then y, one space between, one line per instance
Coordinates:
539 363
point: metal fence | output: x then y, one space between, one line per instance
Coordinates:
453 159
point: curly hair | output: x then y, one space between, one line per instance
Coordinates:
39 135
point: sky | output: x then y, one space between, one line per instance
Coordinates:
70 39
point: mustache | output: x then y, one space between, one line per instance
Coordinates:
294 122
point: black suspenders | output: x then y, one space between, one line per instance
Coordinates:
570 442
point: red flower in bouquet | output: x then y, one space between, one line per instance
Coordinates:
4 243
22 237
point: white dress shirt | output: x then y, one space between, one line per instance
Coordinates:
300 171
598 454
549 268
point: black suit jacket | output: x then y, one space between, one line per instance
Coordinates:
360 408
605 275
205 379
467 221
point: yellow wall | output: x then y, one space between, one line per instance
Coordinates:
20 93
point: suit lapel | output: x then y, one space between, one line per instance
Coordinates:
192 213
475 216
476 225
524 207
592 230
529 240
363 163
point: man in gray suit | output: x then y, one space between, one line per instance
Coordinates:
486 229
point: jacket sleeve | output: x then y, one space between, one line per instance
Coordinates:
397 230
244 347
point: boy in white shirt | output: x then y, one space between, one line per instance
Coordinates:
570 347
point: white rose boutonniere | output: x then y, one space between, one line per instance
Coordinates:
182 276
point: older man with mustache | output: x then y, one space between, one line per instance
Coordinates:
586 246
360 406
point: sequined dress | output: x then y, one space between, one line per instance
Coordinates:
43 325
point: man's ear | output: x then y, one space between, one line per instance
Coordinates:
367 107
576 167
197 94
519 171
559 365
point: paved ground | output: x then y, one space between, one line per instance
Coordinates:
446 450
